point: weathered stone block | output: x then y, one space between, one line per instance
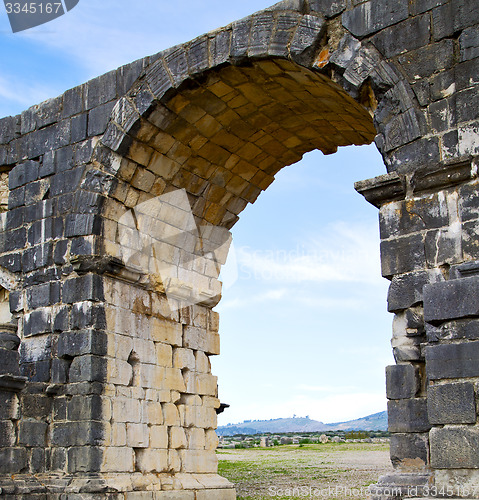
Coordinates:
452 330
408 415
99 117
402 381
66 434
88 368
409 451
84 459
12 460
451 403
32 433
7 434
452 360
451 299
427 60
88 287
402 255
408 35
373 16
454 447
23 174
148 460
9 406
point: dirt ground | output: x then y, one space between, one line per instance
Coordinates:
340 471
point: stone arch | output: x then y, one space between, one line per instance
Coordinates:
166 152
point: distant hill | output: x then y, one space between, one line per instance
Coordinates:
375 422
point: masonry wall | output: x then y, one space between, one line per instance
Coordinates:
121 196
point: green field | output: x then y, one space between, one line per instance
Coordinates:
337 471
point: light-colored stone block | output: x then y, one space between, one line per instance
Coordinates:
137 435
177 438
211 439
184 358
225 494
196 438
164 354
174 380
126 410
174 461
118 459
170 414
199 461
152 460
168 332
159 436
152 412
202 362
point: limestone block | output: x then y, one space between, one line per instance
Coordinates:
184 358
152 412
198 461
118 459
145 350
170 414
199 416
211 439
152 376
118 434
191 399
203 364
451 403
174 495
177 437
168 332
119 372
206 384
196 438
211 402
152 460
174 461
224 494
126 410
159 436
137 435
406 290
174 380
164 355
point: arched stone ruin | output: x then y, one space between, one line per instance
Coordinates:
121 194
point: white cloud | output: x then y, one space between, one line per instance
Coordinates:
342 252
13 89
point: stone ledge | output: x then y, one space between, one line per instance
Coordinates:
394 186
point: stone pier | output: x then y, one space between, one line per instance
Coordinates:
121 196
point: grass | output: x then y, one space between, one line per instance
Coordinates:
294 472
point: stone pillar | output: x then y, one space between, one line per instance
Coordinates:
13 458
429 249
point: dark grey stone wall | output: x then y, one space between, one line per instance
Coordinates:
85 409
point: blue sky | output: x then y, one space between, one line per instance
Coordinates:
304 327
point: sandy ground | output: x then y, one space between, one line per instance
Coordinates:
336 472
